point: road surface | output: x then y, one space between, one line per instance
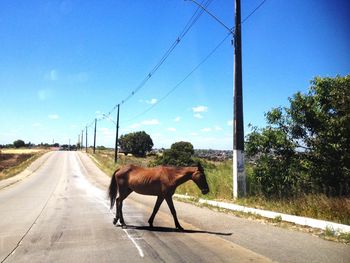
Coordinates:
60 213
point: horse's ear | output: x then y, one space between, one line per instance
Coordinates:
200 167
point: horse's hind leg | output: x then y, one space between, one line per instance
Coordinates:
170 203
115 220
122 195
155 210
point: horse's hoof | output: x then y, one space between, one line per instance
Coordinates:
179 228
115 221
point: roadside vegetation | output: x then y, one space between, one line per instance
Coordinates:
298 164
13 161
219 177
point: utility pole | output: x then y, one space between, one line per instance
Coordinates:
116 137
95 136
86 142
239 178
82 140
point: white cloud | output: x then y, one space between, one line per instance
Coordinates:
150 122
81 77
198 116
53 75
230 123
106 132
218 128
171 129
134 126
177 119
44 94
194 134
200 109
152 101
206 130
37 124
53 117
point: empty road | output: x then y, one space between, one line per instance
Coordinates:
60 213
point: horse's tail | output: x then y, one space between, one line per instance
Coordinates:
113 189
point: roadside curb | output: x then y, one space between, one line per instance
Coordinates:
299 220
26 172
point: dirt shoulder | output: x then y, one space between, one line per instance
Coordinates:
21 171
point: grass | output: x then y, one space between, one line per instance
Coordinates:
20 164
20 151
319 206
219 177
333 235
104 159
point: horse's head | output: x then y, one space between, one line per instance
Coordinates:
199 178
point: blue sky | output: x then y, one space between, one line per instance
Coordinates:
63 63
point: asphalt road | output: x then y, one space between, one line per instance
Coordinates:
60 213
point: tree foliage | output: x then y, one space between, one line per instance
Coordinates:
179 154
19 143
137 143
306 146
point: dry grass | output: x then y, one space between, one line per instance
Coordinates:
104 159
335 209
14 161
20 151
219 177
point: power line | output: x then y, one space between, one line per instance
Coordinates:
251 13
196 67
186 29
183 80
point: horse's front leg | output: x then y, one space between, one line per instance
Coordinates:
155 210
170 203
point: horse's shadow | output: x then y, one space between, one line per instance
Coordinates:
169 230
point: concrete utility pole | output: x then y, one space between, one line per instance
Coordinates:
239 178
86 142
116 137
82 140
95 135
116 133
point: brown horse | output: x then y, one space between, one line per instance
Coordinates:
160 181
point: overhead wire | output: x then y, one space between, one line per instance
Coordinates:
182 81
185 30
182 34
196 67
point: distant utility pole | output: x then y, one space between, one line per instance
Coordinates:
116 137
239 178
86 142
116 133
82 140
95 136
78 141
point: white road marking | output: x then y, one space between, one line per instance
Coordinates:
98 195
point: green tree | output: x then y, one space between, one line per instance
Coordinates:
306 146
179 154
19 143
137 143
